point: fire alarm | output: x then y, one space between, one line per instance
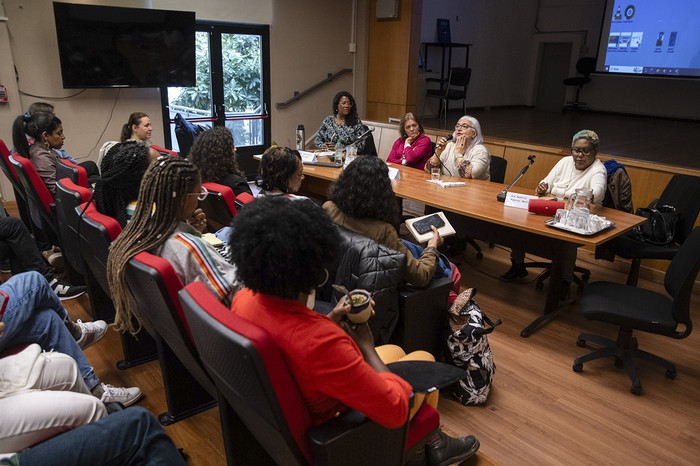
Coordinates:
3 94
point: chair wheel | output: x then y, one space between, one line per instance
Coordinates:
539 285
580 343
671 374
479 255
636 389
577 367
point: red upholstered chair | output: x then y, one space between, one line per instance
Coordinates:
69 196
154 285
20 197
221 205
263 415
164 151
39 200
67 169
97 231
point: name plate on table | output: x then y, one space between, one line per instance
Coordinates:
394 173
519 201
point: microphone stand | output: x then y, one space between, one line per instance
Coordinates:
363 136
502 195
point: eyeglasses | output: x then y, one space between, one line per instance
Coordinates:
464 126
200 195
579 151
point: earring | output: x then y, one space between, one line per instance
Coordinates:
47 146
325 280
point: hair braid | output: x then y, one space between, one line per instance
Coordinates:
161 199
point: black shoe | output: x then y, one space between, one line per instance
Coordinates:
515 272
65 291
452 450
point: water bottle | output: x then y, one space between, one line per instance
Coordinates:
301 137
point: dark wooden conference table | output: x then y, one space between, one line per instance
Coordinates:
487 219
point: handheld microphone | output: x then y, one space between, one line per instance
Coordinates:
501 197
447 139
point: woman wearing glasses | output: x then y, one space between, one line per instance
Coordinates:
463 153
168 223
581 170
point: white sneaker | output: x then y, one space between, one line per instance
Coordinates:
91 332
123 395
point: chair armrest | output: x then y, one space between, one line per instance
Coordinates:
422 317
352 438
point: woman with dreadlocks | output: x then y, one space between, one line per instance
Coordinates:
122 170
167 223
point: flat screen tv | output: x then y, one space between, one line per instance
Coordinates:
105 46
651 38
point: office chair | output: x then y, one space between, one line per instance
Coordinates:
497 174
263 416
221 205
11 174
633 308
682 192
584 66
455 88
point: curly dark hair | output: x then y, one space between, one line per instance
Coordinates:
363 190
121 171
277 166
352 118
213 153
283 245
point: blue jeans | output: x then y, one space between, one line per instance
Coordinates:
128 437
34 314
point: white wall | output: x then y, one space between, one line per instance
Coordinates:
506 36
308 40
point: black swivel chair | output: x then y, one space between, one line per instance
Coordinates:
497 173
682 192
455 88
633 308
584 66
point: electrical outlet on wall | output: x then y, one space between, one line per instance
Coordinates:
352 47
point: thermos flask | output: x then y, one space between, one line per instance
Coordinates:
301 137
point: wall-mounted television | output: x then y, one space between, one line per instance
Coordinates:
105 46
651 38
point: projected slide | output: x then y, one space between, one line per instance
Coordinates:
651 37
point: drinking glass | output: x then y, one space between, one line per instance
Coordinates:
434 173
350 154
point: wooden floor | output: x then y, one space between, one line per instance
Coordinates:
539 411
671 142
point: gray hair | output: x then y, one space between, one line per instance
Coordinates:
588 135
474 123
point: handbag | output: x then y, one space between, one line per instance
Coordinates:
660 227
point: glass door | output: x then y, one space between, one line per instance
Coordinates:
232 88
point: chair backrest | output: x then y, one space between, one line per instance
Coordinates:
683 192
155 285
164 151
67 169
250 373
69 196
497 168
459 77
585 66
9 169
370 147
220 205
39 199
97 231
680 278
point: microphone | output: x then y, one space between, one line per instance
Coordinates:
363 136
447 139
502 195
